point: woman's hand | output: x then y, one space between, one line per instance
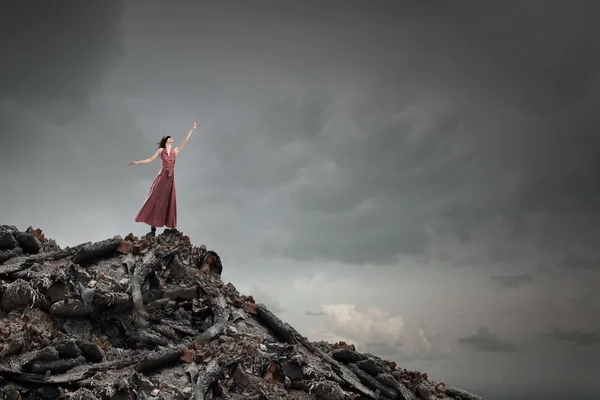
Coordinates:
133 163
195 124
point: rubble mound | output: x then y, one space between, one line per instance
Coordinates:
130 318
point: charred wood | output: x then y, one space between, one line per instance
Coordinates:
91 251
282 329
373 383
460 394
157 359
403 391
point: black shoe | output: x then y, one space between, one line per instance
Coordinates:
152 233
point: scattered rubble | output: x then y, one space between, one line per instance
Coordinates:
150 318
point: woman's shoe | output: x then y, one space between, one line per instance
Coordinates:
152 233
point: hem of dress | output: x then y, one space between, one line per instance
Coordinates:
157 225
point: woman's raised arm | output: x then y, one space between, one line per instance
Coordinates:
185 139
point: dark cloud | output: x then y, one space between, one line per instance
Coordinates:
577 262
514 281
57 52
55 57
392 130
450 134
574 336
485 341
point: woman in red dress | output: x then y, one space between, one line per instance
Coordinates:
160 207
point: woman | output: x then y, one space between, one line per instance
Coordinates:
160 207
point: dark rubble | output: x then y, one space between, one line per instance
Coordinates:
131 318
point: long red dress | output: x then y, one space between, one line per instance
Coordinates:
160 207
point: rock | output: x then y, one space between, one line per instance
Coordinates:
178 270
9 228
46 392
181 293
57 366
187 356
96 250
425 393
347 356
84 394
39 235
147 337
72 308
7 241
11 348
166 331
250 308
157 359
116 300
91 351
18 295
6 255
328 390
232 330
29 243
139 247
372 383
343 345
46 354
371 366
210 263
80 327
125 247
389 380
67 349
293 370
56 292
460 394
282 329
235 300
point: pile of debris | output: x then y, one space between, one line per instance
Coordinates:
150 318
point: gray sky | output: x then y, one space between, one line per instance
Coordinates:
418 178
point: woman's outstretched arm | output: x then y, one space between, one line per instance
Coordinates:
185 139
147 160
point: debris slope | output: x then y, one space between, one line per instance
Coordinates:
150 318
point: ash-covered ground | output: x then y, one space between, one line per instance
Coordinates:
150 318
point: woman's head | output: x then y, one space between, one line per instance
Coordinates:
163 142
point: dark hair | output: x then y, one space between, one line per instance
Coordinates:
163 142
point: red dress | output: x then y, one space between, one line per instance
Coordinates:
160 207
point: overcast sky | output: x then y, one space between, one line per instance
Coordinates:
419 178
